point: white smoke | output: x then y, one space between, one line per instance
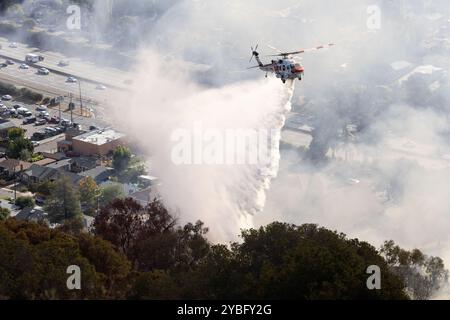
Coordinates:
164 100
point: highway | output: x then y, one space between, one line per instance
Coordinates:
55 84
78 68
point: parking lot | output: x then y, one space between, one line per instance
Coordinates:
44 125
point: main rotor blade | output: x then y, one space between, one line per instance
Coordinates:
273 48
307 50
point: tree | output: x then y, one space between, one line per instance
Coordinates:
423 275
89 195
4 213
150 237
18 146
63 202
34 261
121 159
25 202
111 192
282 261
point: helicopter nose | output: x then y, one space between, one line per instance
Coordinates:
299 70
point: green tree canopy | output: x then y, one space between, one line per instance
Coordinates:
18 146
89 195
25 202
111 192
63 202
34 261
4 213
121 159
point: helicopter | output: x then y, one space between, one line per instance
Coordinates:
285 67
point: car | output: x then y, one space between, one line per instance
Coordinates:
54 120
59 130
3 65
21 110
3 109
66 123
43 115
29 120
41 108
72 80
24 66
9 62
64 63
40 201
40 122
39 135
17 106
6 97
13 45
100 87
27 114
91 128
43 71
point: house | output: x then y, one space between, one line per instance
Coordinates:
5 126
99 174
97 142
8 167
45 161
30 214
80 164
64 164
38 174
144 197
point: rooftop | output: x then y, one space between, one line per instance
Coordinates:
100 137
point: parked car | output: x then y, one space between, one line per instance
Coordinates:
40 201
66 123
9 62
43 114
13 45
6 97
29 120
41 108
21 110
50 130
17 106
24 66
54 120
40 122
39 135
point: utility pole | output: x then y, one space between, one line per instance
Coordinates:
15 183
60 114
71 108
81 100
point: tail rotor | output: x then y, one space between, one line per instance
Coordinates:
254 53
